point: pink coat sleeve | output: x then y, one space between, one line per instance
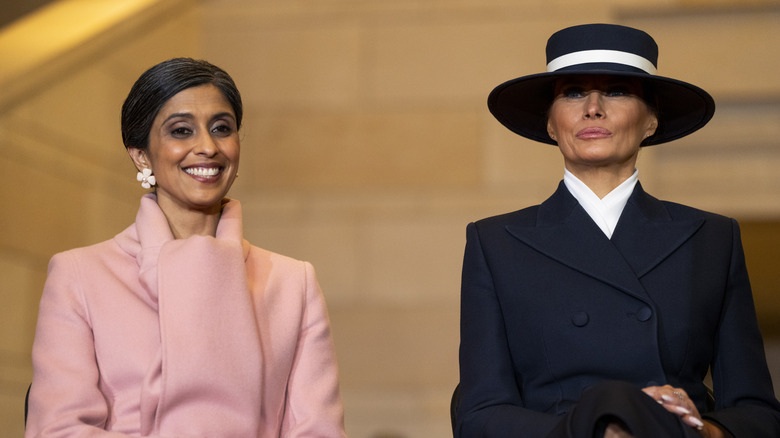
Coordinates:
65 400
313 407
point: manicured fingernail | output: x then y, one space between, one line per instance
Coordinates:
697 422
668 398
682 410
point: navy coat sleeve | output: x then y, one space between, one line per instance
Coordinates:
741 382
491 405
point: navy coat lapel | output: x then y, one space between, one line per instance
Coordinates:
644 236
564 232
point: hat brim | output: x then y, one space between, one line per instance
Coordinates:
522 104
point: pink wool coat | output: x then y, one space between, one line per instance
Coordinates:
145 335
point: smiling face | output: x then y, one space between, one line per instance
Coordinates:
193 151
599 122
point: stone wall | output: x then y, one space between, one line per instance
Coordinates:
367 148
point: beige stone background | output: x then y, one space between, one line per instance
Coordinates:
367 148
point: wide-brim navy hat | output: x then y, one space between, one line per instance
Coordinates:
605 49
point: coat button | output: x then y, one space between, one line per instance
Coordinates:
644 314
580 319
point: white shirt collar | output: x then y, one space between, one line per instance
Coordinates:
607 210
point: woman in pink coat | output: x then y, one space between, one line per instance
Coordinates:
178 327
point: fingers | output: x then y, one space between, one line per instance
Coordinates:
676 401
687 416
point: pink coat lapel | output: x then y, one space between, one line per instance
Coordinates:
209 370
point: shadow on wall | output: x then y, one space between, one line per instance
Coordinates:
388 434
761 241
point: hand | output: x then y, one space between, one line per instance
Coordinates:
712 431
614 430
676 401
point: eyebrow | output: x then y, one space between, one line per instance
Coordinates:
175 115
190 116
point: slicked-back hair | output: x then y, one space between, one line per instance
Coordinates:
163 81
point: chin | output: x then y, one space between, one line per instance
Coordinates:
207 203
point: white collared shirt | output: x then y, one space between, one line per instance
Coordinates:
604 211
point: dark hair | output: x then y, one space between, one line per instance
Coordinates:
163 81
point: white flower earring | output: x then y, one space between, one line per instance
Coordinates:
146 178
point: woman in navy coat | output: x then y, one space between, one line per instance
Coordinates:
601 311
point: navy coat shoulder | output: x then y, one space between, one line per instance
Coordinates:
551 306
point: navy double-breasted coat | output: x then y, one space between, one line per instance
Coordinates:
551 306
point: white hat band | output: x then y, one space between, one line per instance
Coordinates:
592 56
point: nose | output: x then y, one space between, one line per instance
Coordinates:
594 107
206 146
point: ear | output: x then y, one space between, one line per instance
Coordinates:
139 157
550 130
652 126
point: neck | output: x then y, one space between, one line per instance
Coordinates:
601 180
186 223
